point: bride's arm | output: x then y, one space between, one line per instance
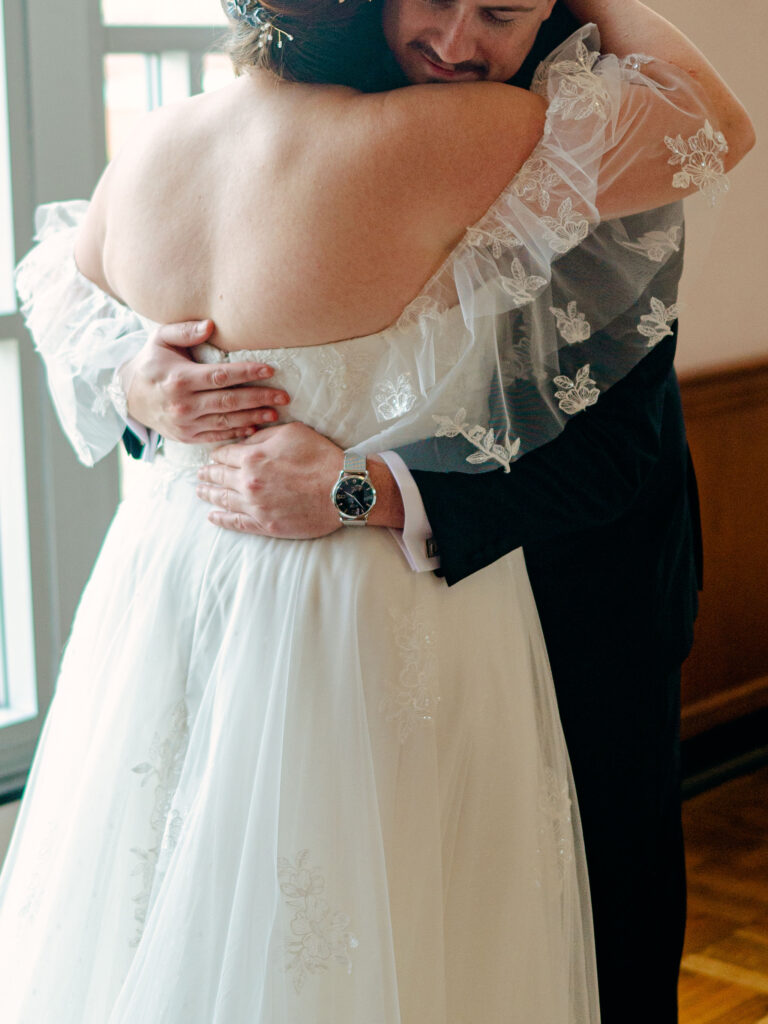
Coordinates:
629 27
651 124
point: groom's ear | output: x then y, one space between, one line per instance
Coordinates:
560 24
551 7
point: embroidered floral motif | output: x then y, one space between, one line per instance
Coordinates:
36 887
334 367
700 158
655 325
497 240
657 245
415 696
535 182
516 363
521 286
164 766
423 306
634 61
110 396
572 325
580 92
393 398
568 228
555 818
577 394
321 936
483 438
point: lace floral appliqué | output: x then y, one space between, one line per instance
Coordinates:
576 395
393 398
111 396
568 229
164 767
700 160
657 245
422 307
535 182
483 438
415 695
521 286
655 325
497 240
555 819
321 937
580 92
572 325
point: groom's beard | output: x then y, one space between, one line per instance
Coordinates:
478 71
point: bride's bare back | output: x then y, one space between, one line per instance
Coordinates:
296 214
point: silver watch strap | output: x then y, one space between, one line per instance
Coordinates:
354 464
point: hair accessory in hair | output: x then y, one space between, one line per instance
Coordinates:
258 17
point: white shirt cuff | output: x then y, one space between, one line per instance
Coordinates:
416 531
149 438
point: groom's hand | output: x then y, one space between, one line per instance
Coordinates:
278 484
196 403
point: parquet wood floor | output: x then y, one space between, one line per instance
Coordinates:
724 979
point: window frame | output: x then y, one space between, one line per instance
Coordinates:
57 131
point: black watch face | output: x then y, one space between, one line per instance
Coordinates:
354 496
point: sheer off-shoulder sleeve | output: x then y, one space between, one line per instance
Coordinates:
557 302
82 334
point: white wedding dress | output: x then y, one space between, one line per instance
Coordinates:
294 782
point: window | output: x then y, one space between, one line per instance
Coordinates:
78 75
18 691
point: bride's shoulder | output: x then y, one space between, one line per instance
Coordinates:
463 140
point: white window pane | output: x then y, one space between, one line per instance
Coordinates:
162 12
3 648
135 83
16 605
7 290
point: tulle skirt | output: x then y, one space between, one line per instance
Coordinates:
292 782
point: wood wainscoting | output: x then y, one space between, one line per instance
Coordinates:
726 413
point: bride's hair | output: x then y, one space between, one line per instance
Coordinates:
321 41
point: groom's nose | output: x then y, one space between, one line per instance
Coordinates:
452 38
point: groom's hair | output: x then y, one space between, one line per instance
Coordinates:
560 24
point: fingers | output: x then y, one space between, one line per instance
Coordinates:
230 512
236 521
223 497
183 335
239 400
219 436
232 375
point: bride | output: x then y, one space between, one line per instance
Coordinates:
290 781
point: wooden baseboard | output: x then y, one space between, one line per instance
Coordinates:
726 413
719 708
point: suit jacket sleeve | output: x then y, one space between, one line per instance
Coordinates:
585 478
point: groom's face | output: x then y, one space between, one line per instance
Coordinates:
462 40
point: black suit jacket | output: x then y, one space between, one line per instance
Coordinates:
607 515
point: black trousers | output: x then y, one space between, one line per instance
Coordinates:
621 724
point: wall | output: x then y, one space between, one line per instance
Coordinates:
7 818
722 319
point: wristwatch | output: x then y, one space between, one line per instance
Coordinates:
353 494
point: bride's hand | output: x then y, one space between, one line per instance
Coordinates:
194 402
278 484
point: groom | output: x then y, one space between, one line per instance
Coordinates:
606 515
